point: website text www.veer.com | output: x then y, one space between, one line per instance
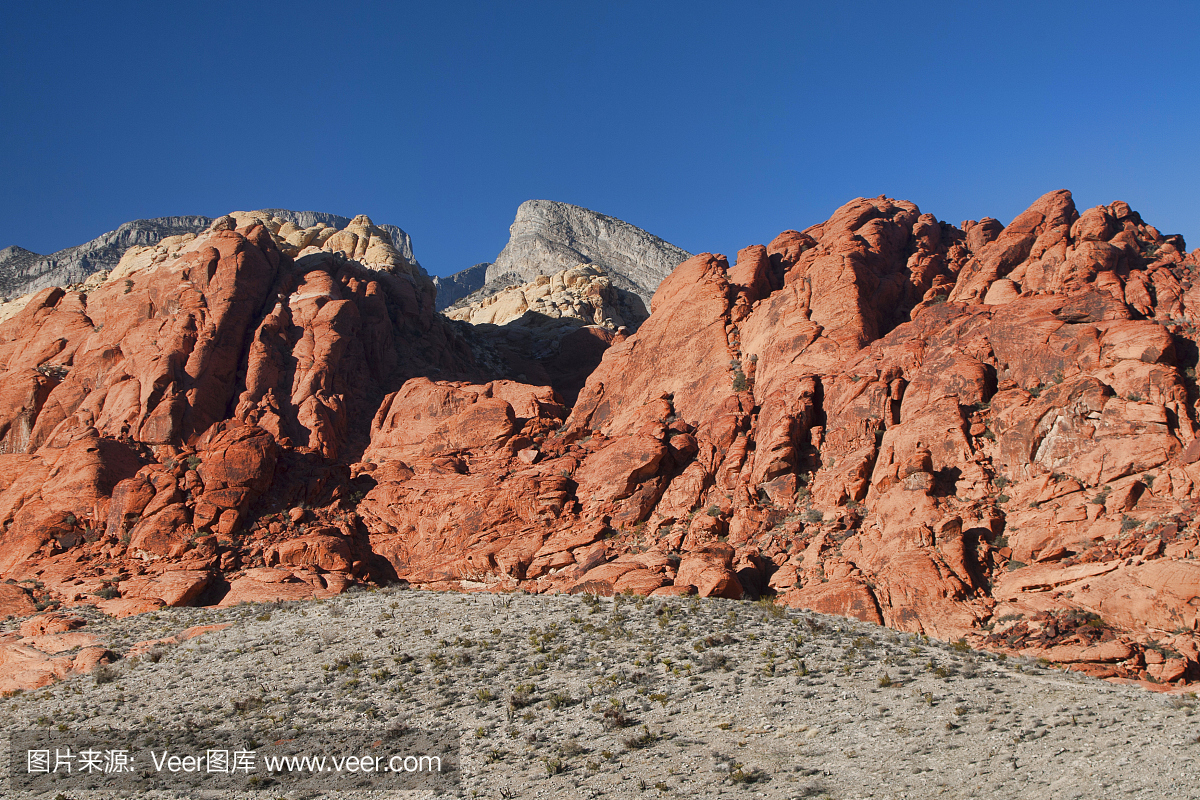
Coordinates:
363 763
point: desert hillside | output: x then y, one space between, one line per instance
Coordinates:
623 697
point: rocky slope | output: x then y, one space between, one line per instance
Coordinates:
981 431
583 696
23 271
549 237
318 219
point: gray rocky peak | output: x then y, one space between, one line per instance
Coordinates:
548 237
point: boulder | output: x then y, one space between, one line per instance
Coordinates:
172 587
639 581
846 597
709 568
15 601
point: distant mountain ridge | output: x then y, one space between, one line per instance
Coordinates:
23 271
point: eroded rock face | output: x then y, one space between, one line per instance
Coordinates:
979 431
23 271
581 295
888 417
149 420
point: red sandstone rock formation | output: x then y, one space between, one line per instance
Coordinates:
978 431
50 646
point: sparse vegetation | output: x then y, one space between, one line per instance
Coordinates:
613 687
105 673
521 696
644 738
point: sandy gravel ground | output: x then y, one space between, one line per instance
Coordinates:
585 697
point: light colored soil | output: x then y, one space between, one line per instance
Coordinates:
717 699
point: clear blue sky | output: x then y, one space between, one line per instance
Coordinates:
712 126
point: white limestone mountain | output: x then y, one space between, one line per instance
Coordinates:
549 237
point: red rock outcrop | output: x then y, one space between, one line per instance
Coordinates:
151 423
884 416
51 646
982 431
